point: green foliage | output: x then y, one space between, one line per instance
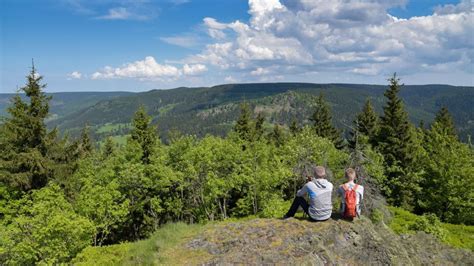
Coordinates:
259 129
399 143
376 216
294 127
145 252
445 121
128 192
45 229
144 133
86 146
277 136
24 139
448 186
99 198
429 223
404 222
109 147
106 255
243 126
275 207
322 122
306 149
367 123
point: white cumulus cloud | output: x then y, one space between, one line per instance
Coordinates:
353 36
194 69
74 75
149 69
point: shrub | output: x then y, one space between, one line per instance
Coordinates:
376 216
429 223
46 230
276 208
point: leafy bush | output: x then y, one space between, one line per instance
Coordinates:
429 223
461 236
376 216
275 208
45 230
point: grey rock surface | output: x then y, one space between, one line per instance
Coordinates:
334 242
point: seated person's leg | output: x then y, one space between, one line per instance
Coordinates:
297 202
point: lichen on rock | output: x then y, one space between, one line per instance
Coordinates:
301 242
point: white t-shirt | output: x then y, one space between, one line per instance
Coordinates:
359 195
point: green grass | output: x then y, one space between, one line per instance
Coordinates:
163 247
165 109
109 127
119 140
457 235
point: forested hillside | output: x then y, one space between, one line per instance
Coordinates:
62 194
65 103
213 110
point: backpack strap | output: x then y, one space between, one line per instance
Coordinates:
344 187
355 187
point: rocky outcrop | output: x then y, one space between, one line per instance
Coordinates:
334 242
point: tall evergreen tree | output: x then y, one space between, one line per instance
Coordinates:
259 130
144 133
277 136
367 124
109 147
322 123
24 143
445 120
86 144
397 140
294 127
243 127
394 136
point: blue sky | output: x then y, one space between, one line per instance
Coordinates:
104 45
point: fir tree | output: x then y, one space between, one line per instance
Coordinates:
144 133
366 123
396 141
243 127
323 123
109 147
294 127
86 145
394 136
24 142
445 120
277 136
259 130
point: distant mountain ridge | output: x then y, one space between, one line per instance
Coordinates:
64 103
212 110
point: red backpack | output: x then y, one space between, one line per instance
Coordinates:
351 197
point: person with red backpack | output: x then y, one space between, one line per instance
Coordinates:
352 195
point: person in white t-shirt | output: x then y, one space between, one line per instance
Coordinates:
350 184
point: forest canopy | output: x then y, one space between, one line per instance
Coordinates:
59 195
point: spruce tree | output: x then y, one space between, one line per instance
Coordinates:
366 123
277 136
397 143
294 128
86 145
144 133
109 147
259 130
243 126
445 120
322 123
24 143
394 136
